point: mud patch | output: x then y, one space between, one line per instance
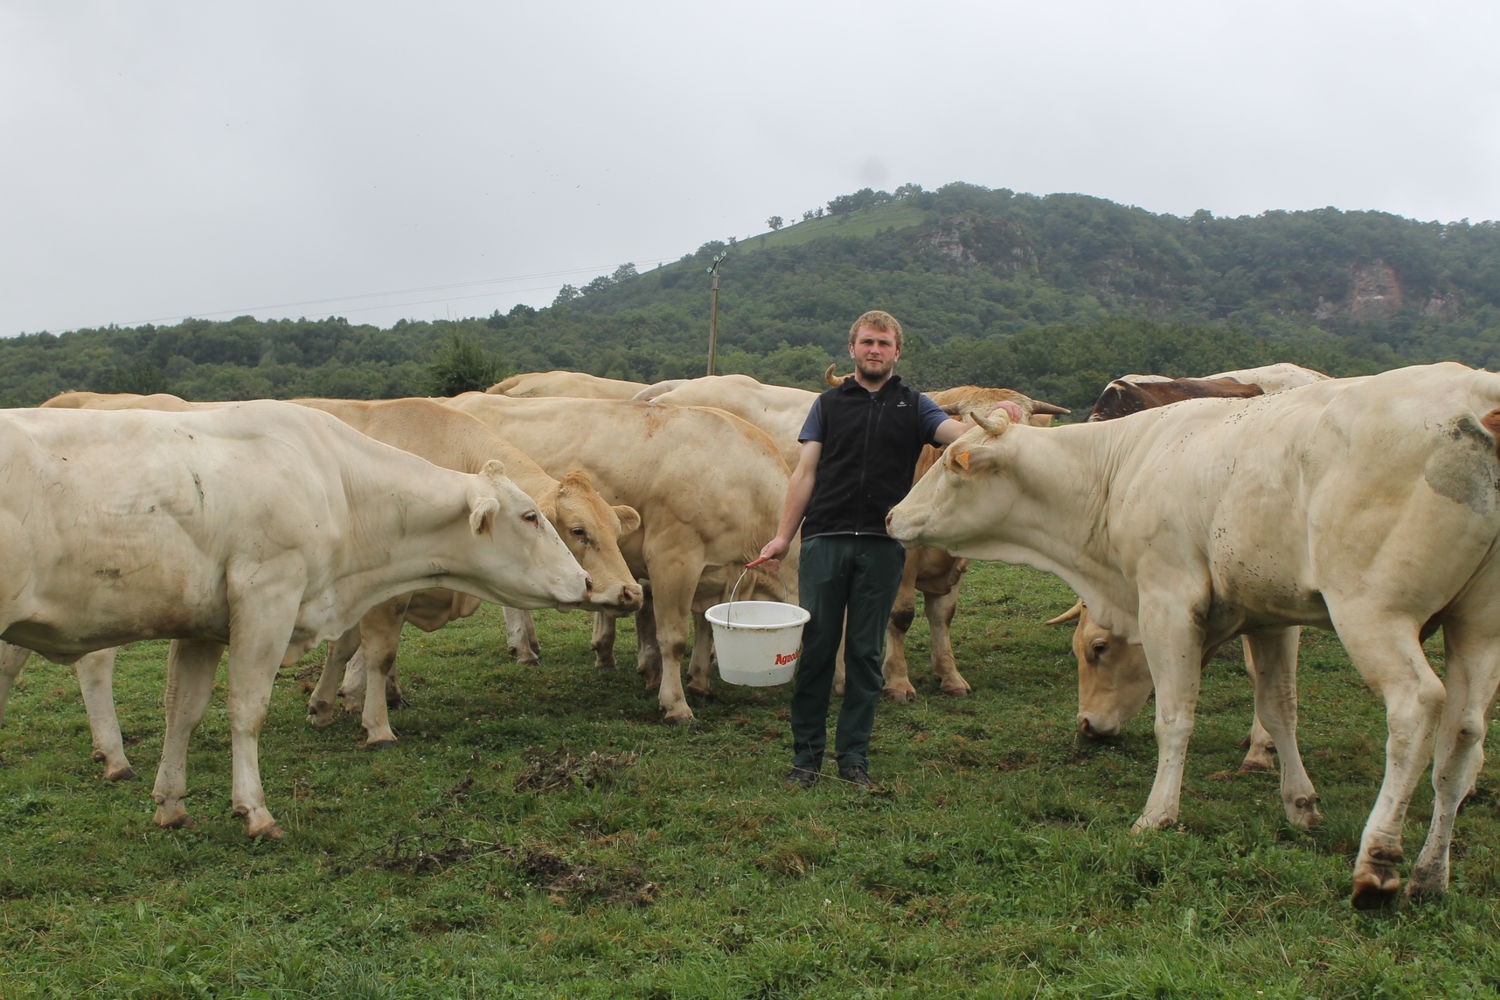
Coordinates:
560 770
564 881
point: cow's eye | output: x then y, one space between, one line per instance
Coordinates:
579 532
531 517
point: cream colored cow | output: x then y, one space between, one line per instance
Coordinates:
591 529
453 440
708 487
261 526
565 383
1366 505
1113 681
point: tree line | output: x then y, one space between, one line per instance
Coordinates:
1050 295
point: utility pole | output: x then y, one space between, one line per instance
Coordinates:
713 309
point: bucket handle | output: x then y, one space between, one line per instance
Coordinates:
729 611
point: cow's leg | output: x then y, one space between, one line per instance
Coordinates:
648 659
1174 653
96 681
521 639
672 594
894 669
1260 752
1472 652
1272 656
379 639
701 661
190 682
254 658
322 704
12 659
602 642
939 609
1385 648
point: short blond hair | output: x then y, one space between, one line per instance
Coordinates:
880 320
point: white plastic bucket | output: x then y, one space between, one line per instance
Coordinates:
757 642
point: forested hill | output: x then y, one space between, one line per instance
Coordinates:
1051 295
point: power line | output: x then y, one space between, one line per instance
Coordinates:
246 310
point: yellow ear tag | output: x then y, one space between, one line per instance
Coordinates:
962 460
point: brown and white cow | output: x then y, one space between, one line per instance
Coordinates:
263 527
1366 505
1133 393
708 487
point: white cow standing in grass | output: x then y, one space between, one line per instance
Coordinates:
264 527
1370 506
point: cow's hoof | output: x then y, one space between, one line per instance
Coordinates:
321 714
957 691
384 743
1145 824
125 773
1375 880
259 823
1368 895
1429 882
175 818
1304 814
680 720
902 695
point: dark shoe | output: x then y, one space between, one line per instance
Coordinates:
801 777
857 775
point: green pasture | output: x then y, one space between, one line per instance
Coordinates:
537 832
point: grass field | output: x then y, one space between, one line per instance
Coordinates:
539 833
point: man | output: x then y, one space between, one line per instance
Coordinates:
859 450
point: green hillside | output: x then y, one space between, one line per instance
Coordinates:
1053 295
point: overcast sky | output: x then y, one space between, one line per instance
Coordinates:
383 160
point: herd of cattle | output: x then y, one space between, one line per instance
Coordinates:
1260 501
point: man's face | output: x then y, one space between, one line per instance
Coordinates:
874 353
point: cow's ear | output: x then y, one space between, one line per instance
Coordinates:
958 459
482 514
493 469
630 519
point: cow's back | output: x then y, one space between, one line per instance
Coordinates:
141 514
693 465
1407 451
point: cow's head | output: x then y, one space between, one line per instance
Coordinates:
520 559
1113 679
960 501
592 528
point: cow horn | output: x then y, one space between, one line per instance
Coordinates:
1037 406
1070 615
991 424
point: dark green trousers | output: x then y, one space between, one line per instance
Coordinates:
849 584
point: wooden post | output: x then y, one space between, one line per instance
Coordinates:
713 310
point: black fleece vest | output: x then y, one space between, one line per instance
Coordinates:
870 449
